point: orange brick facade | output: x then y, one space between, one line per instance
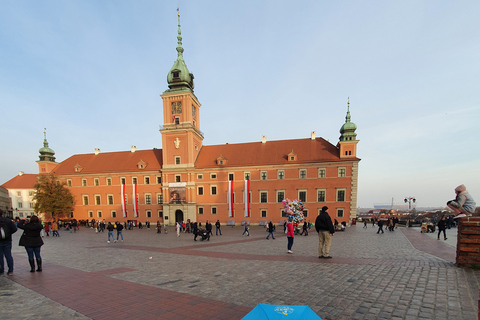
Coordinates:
468 242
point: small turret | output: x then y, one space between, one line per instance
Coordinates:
348 137
46 154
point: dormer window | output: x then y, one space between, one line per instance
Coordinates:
221 161
77 168
176 74
292 156
141 165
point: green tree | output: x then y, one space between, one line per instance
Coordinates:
52 197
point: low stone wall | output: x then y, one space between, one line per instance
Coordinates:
468 242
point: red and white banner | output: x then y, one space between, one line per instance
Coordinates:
230 199
122 191
135 209
246 199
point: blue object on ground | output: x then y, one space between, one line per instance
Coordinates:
273 312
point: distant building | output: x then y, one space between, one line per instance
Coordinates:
229 182
21 191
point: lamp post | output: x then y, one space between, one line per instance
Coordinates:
410 200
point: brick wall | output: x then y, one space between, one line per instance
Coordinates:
468 242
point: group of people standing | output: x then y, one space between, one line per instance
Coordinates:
31 239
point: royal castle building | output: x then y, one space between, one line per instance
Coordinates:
188 180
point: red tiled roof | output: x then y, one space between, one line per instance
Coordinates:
270 153
111 162
25 181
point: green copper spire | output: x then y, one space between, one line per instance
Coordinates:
179 78
347 131
46 154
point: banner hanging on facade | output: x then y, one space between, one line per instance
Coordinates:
135 208
122 191
247 198
230 198
177 192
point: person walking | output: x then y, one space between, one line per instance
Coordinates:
217 228
119 230
290 234
159 227
110 228
32 241
442 226
246 230
7 228
365 223
178 229
55 229
325 229
380 225
304 229
270 230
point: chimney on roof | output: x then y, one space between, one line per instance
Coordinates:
133 149
97 151
312 136
264 139
20 173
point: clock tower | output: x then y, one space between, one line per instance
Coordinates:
181 139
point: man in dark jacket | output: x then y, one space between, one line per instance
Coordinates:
324 227
6 244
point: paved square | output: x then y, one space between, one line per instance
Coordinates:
397 275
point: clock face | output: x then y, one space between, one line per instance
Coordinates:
176 107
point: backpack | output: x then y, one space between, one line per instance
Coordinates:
4 230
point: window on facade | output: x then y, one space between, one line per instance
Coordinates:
109 182
147 180
199 176
281 175
214 210
341 172
148 199
320 195
302 196
126 199
20 205
177 160
90 214
340 213
200 191
213 176
321 173
159 180
200 210
114 214
247 176
263 175
69 183
263 197
84 182
110 199
160 213
19 193
96 182
134 180
280 196
303 174
97 200
305 213
284 214
159 198
230 176
30 193
32 205
214 190
85 200
177 120
99 214
123 180
178 179
149 214
340 195
263 213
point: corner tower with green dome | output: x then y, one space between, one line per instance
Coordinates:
47 159
348 137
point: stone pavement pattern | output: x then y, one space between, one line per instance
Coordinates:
397 275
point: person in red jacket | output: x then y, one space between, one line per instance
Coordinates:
290 233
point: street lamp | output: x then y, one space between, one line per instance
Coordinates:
410 200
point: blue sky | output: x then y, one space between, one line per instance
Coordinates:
91 72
